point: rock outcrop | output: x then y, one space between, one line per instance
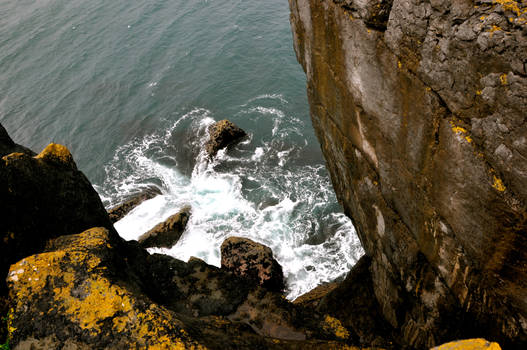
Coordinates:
252 261
222 134
93 291
43 197
419 107
469 344
167 233
121 210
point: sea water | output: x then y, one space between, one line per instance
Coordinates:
131 88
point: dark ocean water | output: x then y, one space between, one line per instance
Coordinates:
130 87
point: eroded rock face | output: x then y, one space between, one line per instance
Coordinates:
121 210
252 261
167 233
423 128
223 134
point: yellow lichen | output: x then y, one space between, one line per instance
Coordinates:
334 326
399 64
469 344
95 298
511 5
460 131
56 152
498 184
503 79
478 92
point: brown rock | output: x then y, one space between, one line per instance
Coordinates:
222 134
167 233
121 210
422 125
253 261
312 298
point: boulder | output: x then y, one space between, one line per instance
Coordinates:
167 233
252 261
121 210
43 197
222 134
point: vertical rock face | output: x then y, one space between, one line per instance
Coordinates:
420 109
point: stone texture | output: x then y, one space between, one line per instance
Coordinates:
121 210
167 233
222 134
252 261
95 291
422 124
43 197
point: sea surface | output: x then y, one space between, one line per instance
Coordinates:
130 87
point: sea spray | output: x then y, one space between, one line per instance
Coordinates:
260 189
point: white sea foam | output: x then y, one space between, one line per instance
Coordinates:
256 192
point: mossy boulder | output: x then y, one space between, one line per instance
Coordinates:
119 211
252 261
167 233
222 134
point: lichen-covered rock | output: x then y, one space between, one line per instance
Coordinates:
167 233
253 261
121 210
312 298
422 124
70 293
222 134
43 197
469 344
95 291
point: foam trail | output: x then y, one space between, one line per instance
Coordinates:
259 190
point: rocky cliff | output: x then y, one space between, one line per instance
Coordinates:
420 107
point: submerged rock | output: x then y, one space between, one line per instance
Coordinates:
223 134
253 261
167 233
121 210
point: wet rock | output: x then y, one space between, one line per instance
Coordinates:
422 126
252 261
43 197
469 344
167 233
121 210
223 134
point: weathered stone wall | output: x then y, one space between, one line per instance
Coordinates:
421 108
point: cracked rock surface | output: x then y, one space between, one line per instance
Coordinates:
422 121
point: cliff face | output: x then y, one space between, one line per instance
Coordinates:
420 109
